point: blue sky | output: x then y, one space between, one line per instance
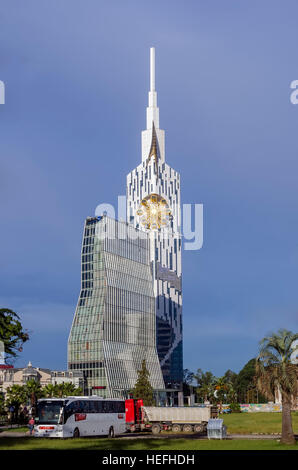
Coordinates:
77 77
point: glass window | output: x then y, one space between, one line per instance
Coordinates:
84 406
92 407
99 406
120 406
69 410
107 406
49 412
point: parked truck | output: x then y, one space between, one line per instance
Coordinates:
176 419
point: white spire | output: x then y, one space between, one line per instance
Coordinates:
152 69
152 110
152 126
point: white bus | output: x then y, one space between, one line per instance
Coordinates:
79 416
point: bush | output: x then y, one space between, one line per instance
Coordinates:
235 408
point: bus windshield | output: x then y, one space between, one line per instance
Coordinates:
49 412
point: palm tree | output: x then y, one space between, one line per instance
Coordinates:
15 397
34 391
274 371
61 390
50 391
69 389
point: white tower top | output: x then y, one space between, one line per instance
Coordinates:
152 69
153 136
152 110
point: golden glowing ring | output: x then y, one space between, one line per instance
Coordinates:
154 212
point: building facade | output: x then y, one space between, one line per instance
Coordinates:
114 328
21 375
153 205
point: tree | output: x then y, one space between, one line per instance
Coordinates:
2 404
224 391
205 381
15 397
143 389
274 371
231 377
64 389
34 392
50 391
245 386
11 332
188 378
67 389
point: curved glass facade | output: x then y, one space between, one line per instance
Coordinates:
114 327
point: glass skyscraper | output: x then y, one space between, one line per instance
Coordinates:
114 327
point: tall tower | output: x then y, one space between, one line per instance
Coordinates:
153 205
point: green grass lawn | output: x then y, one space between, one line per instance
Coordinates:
31 443
237 423
252 423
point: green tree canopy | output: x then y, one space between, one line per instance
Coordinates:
204 378
2 404
224 391
64 389
143 389
205 381
245 386
50 391
34 392
16 396
11 332
67 389
188 376
230 377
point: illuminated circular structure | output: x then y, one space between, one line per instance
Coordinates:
154 212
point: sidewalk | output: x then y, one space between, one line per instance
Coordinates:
14 434
4 426
253 436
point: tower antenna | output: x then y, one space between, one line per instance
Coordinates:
152 68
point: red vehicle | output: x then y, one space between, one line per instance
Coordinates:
134 415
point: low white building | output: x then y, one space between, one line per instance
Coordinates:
21 375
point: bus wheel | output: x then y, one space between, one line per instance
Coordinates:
155 429
76 433
111 433
176 428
